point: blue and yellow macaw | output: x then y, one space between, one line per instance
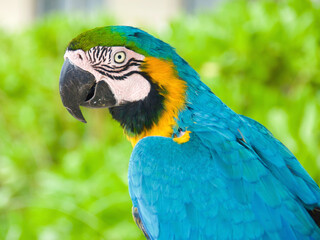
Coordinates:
198 170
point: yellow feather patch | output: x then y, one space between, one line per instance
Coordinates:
174 91
183 138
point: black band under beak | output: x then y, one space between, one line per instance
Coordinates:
79 88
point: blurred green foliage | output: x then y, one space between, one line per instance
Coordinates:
61 179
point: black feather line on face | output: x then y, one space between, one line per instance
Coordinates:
106 68
135 117
122 77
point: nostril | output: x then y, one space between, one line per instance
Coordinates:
79 55
91 92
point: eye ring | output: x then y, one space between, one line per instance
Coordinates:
120 57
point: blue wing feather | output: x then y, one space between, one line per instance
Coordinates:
183 193
283 164
232 180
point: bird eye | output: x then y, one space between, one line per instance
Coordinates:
119 57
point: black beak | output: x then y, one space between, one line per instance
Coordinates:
79 88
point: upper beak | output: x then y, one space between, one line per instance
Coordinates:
79 88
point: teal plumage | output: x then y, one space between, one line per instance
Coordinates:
218 186
231 180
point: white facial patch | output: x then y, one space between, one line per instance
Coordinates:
133 88
117 66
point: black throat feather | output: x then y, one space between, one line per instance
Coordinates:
136 117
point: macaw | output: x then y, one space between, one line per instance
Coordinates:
198 170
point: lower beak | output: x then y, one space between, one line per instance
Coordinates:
79 88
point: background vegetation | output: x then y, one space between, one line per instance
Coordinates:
61 179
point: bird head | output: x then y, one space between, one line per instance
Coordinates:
137 76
